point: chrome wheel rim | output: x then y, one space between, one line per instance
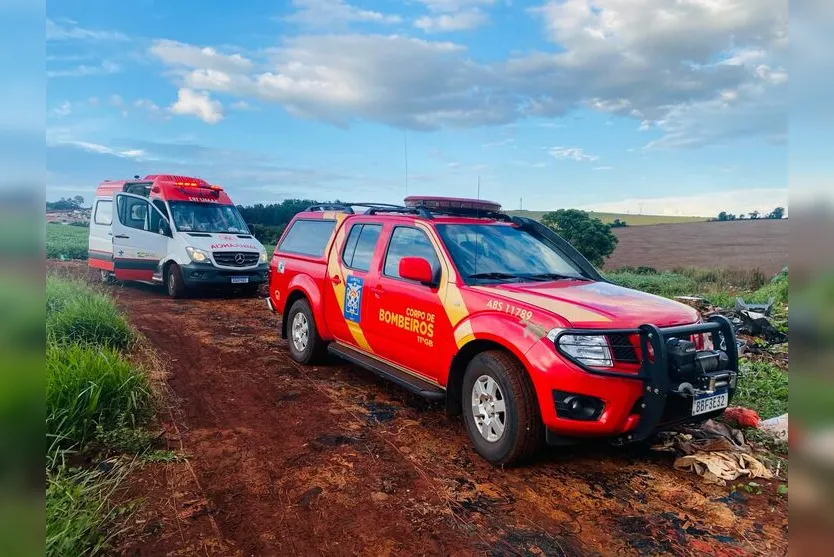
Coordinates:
172 283
489 410
300 331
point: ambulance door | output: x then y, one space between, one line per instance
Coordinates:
411 327
140 237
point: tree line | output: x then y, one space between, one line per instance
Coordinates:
66 204
775 214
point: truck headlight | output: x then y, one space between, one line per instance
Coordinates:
263 257
588 349
197 255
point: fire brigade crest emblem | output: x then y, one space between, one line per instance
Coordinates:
353 298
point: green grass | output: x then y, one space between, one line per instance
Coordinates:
66 242
91 388
97 402
631 220
77 314
80 520
762 387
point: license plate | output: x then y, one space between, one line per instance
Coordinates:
709 403
240 280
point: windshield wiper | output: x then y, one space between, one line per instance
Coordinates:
552 276
496 276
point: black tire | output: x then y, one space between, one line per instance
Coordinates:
174 283
304 352
106 276
523 429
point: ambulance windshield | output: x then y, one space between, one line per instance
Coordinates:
497 253
207 217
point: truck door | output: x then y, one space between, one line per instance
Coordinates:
408 323
350 273
140 237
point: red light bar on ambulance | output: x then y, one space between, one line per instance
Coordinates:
429 202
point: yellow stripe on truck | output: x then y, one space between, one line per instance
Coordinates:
334 268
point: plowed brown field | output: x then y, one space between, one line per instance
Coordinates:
740 244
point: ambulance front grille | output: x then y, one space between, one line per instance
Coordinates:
235 258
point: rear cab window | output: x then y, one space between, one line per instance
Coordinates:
360 246
307 237
104 212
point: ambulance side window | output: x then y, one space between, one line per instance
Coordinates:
104 212
408 242
138 214
360 246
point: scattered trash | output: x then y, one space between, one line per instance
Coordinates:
720 467
764 309
379 411
777 427
714 451
742 417
757 324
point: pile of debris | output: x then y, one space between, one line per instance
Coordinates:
715 451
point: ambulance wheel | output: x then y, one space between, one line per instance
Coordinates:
173 281
306 346
106 276
500 409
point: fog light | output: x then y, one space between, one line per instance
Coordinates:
574 406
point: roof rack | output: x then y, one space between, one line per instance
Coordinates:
372 208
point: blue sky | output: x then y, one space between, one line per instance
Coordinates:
601 104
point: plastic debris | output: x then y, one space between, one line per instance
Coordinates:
758 324
764 309
742 417
777 427
722 466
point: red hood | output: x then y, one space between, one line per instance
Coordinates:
597 304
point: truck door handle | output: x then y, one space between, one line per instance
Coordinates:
335 279
378 291
121 236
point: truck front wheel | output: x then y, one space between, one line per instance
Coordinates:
306 346
500 409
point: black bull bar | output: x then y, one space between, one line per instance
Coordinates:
654 371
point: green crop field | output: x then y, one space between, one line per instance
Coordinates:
631 220
67 242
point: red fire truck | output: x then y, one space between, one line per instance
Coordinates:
501 318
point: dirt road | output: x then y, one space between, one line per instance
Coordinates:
288 460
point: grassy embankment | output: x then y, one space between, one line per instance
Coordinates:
66 242
98 400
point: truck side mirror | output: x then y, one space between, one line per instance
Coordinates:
417 269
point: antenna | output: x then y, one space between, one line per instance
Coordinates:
405 150
479 187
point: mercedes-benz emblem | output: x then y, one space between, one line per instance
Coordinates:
239 258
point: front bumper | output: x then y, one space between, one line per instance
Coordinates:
637 402
206 274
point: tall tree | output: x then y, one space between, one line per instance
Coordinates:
592 237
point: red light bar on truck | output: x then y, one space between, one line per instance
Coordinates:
429 202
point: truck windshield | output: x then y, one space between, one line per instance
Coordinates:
498 253
207 217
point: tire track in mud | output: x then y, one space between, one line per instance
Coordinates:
331 459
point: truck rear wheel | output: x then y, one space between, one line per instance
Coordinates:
174 282
500 409
306 346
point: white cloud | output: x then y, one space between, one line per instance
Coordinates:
665 65
701 205
105 68
457 21
179 54
64 109
197 104
242 106
94 147
327 13
571 153
68 30
603 168
499 143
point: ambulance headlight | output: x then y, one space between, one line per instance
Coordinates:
197 255
263 257
590 350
